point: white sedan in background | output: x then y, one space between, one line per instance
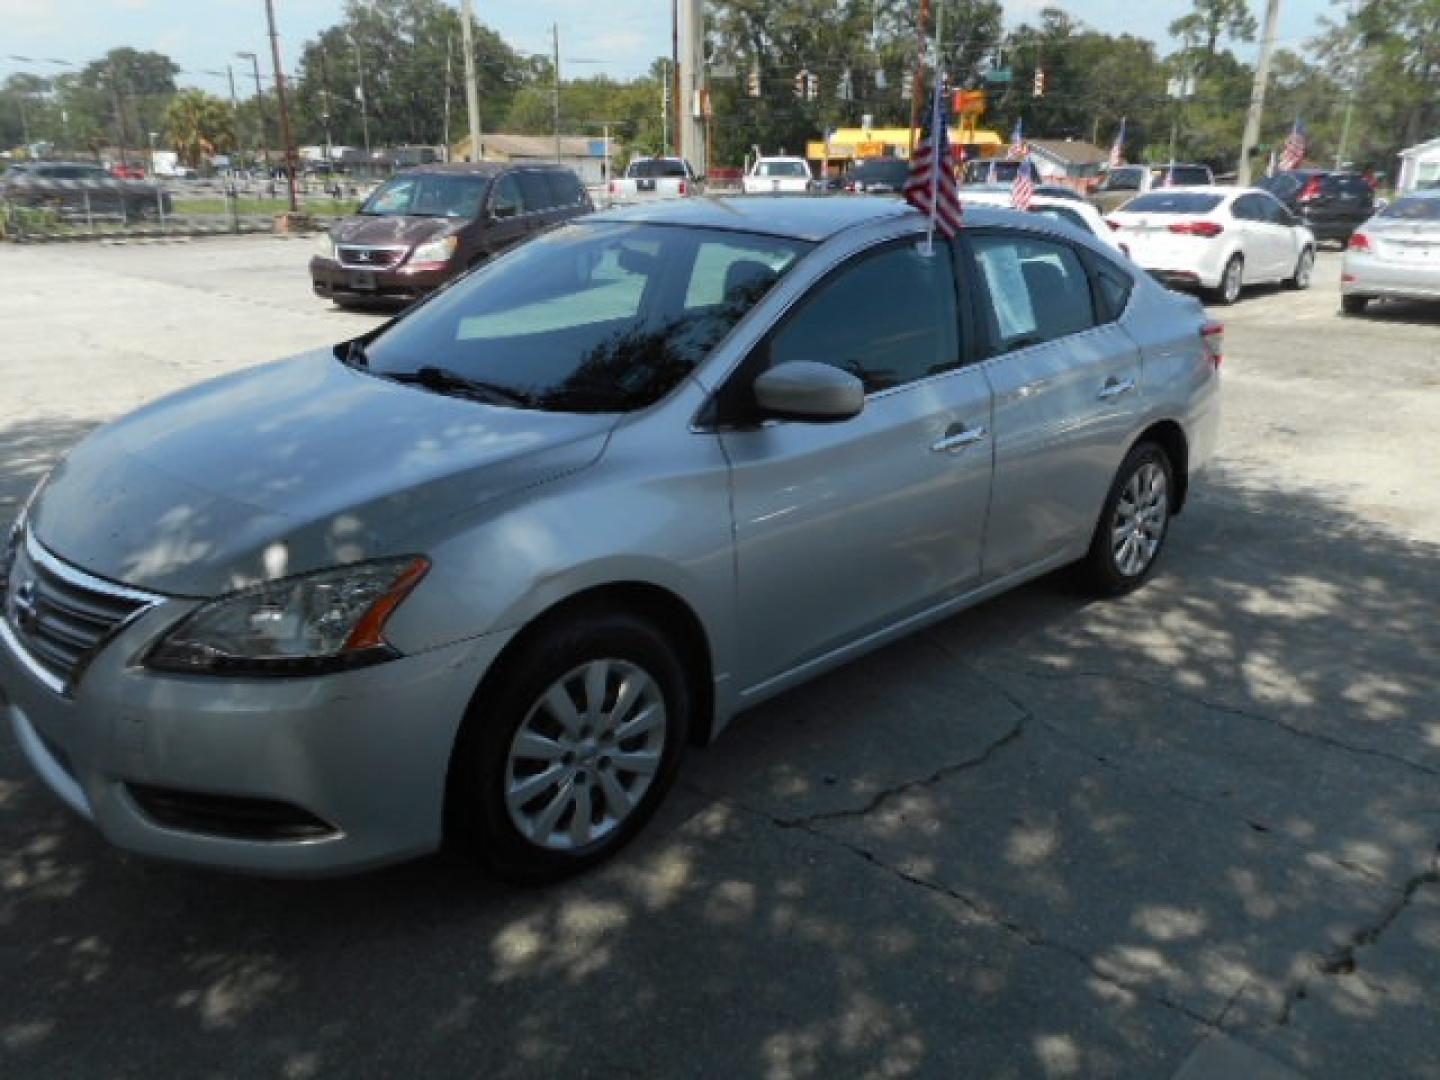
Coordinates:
778 176
1063 208
1217 238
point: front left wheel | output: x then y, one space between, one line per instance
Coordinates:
572 750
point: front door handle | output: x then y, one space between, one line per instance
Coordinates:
958 438
1115 388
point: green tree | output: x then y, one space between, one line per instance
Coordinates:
198 126
1210 20
136 87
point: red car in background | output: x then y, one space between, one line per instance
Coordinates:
127 172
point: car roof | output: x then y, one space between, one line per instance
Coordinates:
815 218
462 168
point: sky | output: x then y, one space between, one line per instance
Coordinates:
623 35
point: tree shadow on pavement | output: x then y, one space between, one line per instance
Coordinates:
1049 837
28 448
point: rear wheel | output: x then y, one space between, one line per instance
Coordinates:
572 751
1354 305
1133 523
1304 270
1232 280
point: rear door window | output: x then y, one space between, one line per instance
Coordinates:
1037 290
505 198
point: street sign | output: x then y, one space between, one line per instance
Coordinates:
998 75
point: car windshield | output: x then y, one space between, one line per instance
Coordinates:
1411 209
651 168
593 317
1282 184
1184 176
1172 202
1126 178
781 168
983 172
428 195
1065 214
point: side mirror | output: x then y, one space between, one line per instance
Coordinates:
807 391
500 213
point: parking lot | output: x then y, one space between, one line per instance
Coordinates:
1193 832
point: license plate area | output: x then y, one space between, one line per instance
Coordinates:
362 280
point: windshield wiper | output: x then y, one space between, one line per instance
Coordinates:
448 382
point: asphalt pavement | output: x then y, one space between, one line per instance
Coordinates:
1189 833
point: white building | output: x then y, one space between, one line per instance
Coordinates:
585 155
1419 167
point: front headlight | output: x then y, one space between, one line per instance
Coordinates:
325 246
327 621
436 251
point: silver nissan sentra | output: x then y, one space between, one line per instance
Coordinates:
482 574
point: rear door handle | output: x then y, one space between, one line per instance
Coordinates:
1115 388
959 439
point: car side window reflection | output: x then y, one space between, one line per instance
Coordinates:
888 318
1037 290
505 201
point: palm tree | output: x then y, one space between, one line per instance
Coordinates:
199 125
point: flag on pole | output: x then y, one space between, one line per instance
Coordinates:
1117 148
1017 142
1293 152
1022 191
930 188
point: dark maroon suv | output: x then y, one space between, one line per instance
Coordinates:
425 225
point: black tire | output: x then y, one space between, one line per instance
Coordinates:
1100 571
477 818
1230 286
1354 305
1304 270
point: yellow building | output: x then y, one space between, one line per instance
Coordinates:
856 144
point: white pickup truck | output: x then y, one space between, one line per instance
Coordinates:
778 176
649 178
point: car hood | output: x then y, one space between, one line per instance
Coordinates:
291 467
397 229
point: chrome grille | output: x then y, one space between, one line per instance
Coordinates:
375 257
58 617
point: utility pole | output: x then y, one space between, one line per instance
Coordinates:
665 115
472 92
674 136
1257 95
360 93
691 95
234 111
555 91
915 86
449 52
260 138
325 103
284 113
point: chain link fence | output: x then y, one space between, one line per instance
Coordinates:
38 209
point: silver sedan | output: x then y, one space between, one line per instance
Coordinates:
1395 255
482 574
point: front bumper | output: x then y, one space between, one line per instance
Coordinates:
333 281
364 753
1365 275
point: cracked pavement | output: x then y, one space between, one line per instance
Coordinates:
1191 833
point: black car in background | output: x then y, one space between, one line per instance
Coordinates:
1332 204
77 189
877 176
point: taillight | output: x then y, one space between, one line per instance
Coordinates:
681 187
1197 228
1358 242
613 187
1114 225
1311 189
1212 335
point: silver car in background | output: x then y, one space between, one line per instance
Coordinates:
483 573
1395 255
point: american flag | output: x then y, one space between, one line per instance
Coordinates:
1293 152
930 187
1017 142
1023 189
1117 148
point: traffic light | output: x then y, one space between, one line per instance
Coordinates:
812 86
845 90
752 81
1039 90
880 81
907 86
802 80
